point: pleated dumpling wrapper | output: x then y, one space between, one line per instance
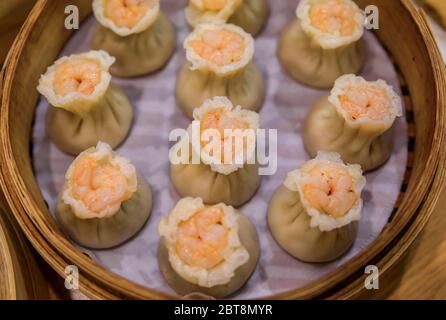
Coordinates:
85 107
355 120
219 64
211 164
212 250
324 42
313 215
136 32
104 200
250 15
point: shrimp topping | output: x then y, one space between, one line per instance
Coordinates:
335 17
127 13
365 100
214 5
221 47
330 190
77 75
202 239
98 185
221 120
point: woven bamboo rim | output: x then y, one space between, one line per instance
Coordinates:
413 50
20 276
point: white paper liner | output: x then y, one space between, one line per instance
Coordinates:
147 146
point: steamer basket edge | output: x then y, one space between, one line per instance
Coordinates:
28 207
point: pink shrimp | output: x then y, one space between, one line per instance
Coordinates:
333 16
77 75
221 47
330 190
201 240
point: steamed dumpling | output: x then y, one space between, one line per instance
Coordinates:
250 15
323 42
212 250
231 178
104 200
313 214
355 121
219 64
136 32
85 107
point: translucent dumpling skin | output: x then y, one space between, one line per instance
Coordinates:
212 250
136 33
219 64
84 107
355 120
289 222
313 215
323 42
213 179
104 201
251 15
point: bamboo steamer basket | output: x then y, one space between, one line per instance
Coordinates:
12 15
20 275
403 31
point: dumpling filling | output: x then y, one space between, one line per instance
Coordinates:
127 13
368 100
332 23
203 242
126 17
77 83
360 100
330 190
227 134
221 48
333 16
98 182
78 75
220 120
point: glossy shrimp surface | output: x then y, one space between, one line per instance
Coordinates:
98 185
367 100
78 75
333 16
201 240
127 13
220 120
330 190
221 47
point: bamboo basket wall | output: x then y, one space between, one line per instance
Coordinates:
20 276
12 15
404 32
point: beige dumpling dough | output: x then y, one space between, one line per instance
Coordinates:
85 107
207 250
313 215
234 181
324 42
104 200
355 120
136 32
250 15
219 64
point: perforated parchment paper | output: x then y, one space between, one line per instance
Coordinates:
147 146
